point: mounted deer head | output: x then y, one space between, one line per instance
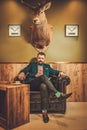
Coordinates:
40 29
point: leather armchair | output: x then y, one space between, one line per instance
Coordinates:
54 105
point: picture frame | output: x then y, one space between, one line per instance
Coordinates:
14 30
71 30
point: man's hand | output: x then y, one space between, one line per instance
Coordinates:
21 76
61 74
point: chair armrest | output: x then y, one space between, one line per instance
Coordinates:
65 80
25 81
60 83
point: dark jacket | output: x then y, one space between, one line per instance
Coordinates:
31 69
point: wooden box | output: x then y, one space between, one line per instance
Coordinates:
14 105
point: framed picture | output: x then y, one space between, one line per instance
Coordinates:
14 29
71 30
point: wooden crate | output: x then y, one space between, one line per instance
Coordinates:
14 105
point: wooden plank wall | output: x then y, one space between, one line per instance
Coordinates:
78 76
76 71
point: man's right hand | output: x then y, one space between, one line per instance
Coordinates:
21 76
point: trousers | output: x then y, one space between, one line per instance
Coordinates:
44 85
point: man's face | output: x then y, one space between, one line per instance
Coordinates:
40 59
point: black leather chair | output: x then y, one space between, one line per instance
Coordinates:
54 105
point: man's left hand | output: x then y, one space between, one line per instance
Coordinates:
61 74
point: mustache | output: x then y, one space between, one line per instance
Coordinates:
40 61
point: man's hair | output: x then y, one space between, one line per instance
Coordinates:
41 53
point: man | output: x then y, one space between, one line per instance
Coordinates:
38 79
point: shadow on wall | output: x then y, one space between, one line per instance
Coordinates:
26 24
26 29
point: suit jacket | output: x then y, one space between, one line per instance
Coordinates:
32 69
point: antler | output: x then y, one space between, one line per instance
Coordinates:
30 4
34 4
42 3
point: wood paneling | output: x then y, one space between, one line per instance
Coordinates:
76 71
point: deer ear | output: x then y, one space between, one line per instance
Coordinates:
47 6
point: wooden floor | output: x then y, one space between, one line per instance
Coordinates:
74 119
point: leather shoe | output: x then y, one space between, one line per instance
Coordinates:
64 96
45 118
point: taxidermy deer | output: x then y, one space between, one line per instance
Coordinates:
40 29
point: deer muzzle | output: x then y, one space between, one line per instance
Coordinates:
36 21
